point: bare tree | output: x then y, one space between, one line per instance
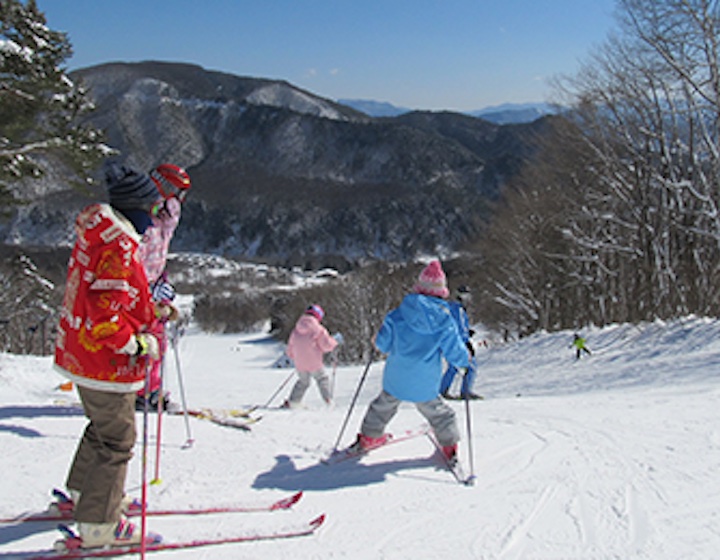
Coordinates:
618 218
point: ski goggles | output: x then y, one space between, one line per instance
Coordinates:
168 189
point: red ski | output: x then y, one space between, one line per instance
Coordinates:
66 513
351 452
72 544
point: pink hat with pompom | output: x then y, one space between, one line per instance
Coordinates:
316 311
432 281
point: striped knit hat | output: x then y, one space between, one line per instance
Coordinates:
129 189
432 281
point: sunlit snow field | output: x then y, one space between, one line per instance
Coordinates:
616 455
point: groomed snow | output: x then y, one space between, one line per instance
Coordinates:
616 455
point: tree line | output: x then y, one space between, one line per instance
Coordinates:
617 219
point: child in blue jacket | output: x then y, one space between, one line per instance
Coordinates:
416 336
457 309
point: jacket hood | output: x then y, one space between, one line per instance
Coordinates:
307 324
95 214
422 313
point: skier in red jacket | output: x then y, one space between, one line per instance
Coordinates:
103 345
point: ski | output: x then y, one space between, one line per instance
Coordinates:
350 452
453 466
230 418
65 512
210 412
220 416
69 547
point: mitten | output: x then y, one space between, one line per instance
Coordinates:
166 312
163 291
147 345
339 338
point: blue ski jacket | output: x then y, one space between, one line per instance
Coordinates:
415 336
461 319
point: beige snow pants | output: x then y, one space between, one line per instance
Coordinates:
100 465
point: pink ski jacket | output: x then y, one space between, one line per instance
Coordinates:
308 341
156 240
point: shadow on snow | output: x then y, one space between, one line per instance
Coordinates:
7 412
286 476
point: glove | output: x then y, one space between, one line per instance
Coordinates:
147 345
339 338
166 312
163 291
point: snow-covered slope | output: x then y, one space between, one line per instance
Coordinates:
613 456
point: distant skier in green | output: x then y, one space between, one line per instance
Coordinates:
579 344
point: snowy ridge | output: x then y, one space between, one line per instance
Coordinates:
613 456
282 95
654 354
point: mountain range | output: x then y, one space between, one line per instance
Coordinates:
507 113
283 175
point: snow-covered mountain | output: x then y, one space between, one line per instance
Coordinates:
284 175
614 455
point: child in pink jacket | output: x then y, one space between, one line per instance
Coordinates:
173 183
308 342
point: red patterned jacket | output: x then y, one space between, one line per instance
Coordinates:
107 301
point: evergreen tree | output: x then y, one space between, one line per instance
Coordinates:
26 305
40 106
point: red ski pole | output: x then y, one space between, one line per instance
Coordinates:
160 410
143 496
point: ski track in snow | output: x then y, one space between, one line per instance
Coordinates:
612 457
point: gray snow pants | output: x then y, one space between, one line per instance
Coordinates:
303 382
100 465
440 416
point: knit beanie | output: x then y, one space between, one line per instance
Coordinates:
129 189
432 281
316 311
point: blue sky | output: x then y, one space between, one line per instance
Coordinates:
420 54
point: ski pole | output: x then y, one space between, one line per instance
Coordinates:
468 425
160 410
354 399
276 393
143 495
334 372
174 341
339 338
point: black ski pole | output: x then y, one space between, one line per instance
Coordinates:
276 393
354 399
471 478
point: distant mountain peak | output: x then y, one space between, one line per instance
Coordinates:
374 108
506 113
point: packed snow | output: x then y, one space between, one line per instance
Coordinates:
615 455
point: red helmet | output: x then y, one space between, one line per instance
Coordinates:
171 181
